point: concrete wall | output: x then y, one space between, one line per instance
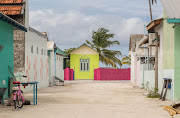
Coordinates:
59 67
6 55
133 67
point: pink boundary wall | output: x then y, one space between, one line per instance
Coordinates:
68 74
112 74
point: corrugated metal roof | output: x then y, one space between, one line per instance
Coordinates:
59 51
172 8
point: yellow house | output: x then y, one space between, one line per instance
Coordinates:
83 61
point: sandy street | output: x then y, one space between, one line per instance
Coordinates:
90 99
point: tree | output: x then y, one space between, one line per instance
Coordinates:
151 1
101 41
67 51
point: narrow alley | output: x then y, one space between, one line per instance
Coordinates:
89 99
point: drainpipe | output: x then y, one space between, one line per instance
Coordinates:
55 60
145 45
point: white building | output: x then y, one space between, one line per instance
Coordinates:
56 63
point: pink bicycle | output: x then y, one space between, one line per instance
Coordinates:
18 97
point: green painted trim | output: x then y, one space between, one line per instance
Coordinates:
173 20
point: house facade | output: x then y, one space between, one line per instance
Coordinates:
6 49
166 48
83 61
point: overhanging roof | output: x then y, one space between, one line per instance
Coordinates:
12 22
154 23
60 52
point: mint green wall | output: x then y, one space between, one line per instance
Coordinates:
75 65
6 56
168 45
177 63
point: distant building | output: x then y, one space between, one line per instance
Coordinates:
56 61
83 61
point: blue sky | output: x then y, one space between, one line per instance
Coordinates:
70 22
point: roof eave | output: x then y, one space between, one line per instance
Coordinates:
12 22
154 23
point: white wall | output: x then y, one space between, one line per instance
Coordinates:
36 65
59 67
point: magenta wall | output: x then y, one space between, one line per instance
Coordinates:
68 74
112 74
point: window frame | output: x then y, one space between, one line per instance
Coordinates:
37 50
83 65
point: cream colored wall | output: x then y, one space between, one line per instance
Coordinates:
86 50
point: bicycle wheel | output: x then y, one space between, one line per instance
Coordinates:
18 103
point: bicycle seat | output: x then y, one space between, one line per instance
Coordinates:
16 82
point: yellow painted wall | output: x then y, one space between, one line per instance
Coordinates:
75 65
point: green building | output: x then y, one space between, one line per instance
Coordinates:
6 48
171 43
83 61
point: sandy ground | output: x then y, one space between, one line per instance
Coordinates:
80 99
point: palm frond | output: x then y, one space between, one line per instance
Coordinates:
107 61
92 46
126 58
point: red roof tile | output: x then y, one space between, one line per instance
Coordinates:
11 1
11 10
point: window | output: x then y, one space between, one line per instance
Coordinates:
84 64
42 52
37 50
31 49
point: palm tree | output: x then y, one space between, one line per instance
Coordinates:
100 42
150 7
126 60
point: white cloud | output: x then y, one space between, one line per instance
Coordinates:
72 28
